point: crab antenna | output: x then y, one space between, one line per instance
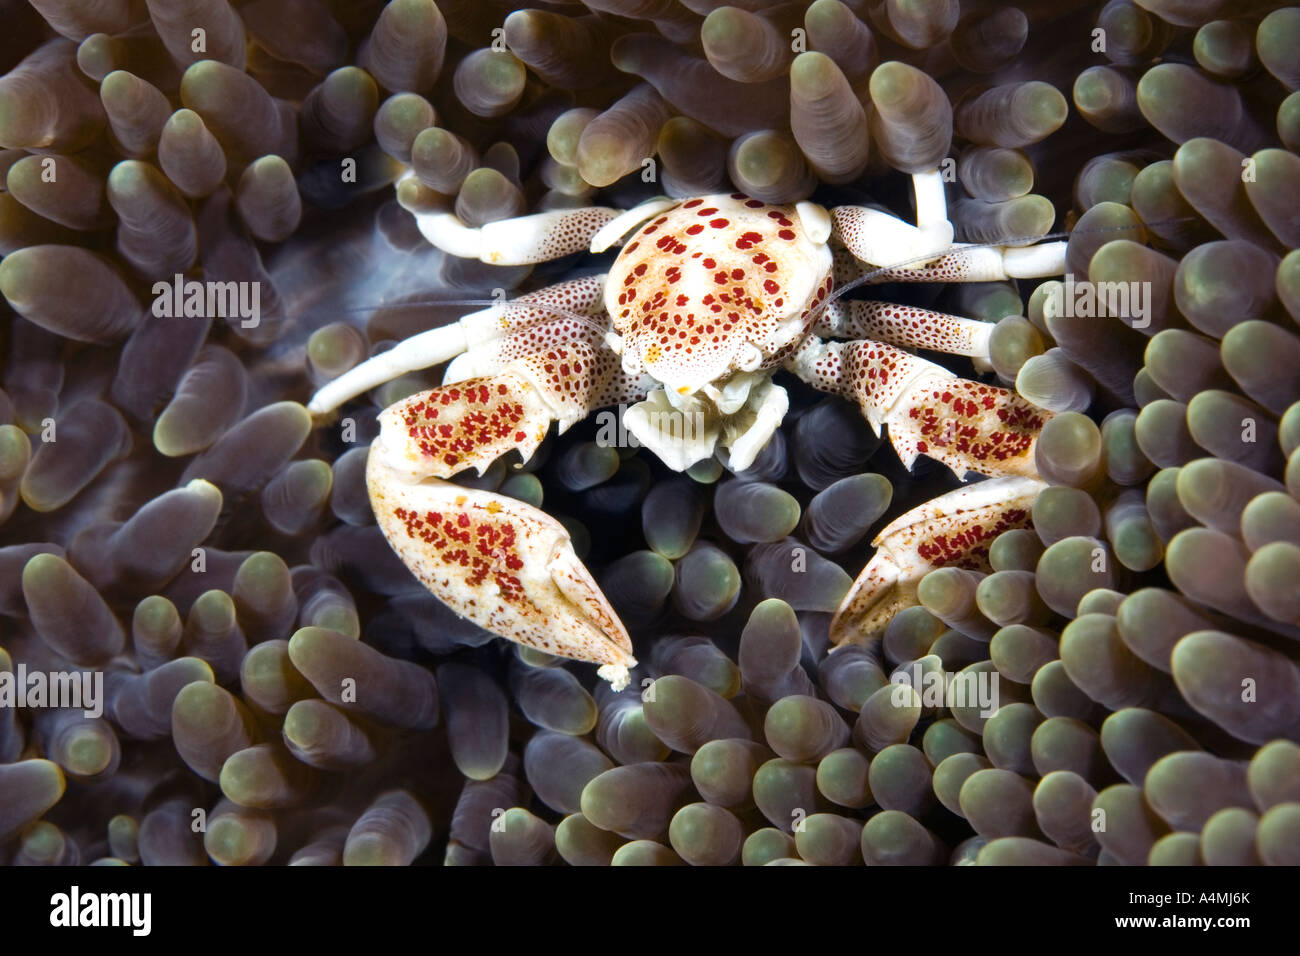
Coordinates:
419 351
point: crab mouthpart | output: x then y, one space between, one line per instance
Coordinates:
680 429
735 420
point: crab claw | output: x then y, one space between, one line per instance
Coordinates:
505 565
969 426
953 530
469 424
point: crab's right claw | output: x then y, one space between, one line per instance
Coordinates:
505 565
953 530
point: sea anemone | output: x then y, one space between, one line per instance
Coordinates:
205 214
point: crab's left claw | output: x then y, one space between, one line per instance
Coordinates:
953 530
969 426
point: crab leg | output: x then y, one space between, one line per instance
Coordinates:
906 326
972 263
503 564
624 222
523 240
929 410
879 237
925 252
963 262
573 299
953 530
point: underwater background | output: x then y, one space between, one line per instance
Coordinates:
279 688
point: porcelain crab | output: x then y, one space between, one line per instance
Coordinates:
707 298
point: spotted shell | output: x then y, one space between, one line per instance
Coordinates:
700 286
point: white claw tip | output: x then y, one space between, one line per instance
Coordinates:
816 221
616 674
748 357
